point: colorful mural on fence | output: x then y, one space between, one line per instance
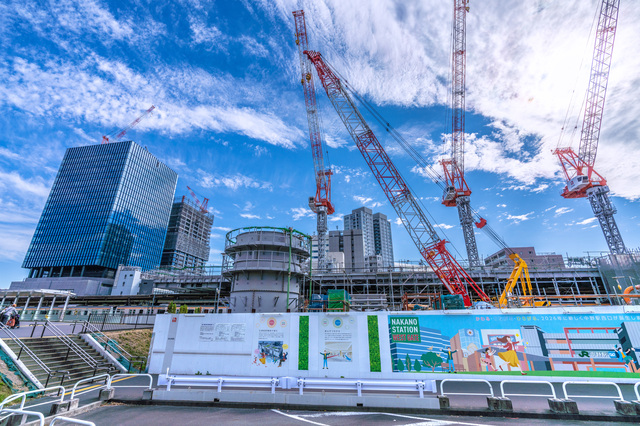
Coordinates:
515 343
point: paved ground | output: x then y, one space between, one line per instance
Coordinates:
159 415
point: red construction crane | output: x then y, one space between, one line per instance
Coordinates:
457 192
423 234
582 179
321 203
205 201
120 133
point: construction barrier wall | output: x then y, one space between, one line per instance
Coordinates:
573 341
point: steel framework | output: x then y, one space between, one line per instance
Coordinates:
582 179
321 203
423 234
457 191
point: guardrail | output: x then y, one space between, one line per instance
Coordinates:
23 396
364 384
253 382
635 389
110 380
72 421
11 412
468 381
89 380
553 391
566 396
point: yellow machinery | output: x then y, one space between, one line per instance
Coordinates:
520 273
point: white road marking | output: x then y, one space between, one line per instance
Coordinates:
299 418
425 421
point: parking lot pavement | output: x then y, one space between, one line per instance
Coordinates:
160 415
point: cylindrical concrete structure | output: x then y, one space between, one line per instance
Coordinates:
266 266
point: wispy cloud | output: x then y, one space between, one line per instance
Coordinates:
563 210
442 226
301 212
520 218
587 221
249 216
233 182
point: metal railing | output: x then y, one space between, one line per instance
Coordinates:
120 321
122 375
466 381
553 391
114 348
26 349
72 421
363 384
566 395
90 380
73 346
22 396
11 412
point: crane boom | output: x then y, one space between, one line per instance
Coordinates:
457 191
205 203
423 234
321 203
582 179
120 133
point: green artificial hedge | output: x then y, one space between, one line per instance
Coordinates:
374 344
303 346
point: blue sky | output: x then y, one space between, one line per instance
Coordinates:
230 116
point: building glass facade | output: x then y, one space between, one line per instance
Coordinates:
109 206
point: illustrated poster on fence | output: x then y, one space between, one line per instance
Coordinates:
337 335
271 342
536 345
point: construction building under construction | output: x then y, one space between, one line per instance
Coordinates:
187 243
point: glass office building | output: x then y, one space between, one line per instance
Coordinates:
109 206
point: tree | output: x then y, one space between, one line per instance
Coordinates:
408 361
172 307
400 365
431 359
184 309
416 366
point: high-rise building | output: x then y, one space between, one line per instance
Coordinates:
109 206
362 219
187 243
382 238
376 235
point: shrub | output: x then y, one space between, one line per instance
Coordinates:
172 307
184 309
198 310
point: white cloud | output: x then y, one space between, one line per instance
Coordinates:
249 216
220 228
367 201
252 47
522 76
336 217
501 205
550 208
442 226
563 210
587 221
520 218
398 221
232 182
23 187
301 212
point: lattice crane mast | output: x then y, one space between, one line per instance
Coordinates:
582 179
120 133
321 203
457 192
423 234
204 206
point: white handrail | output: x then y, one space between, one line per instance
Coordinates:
553 391
40 416
635 389
465 380
110 380
23 395
564 389
88 379
69 420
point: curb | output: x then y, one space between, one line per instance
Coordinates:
440 412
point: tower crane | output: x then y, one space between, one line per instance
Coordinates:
320 204
457 192
423 234
118 134
204 206
582 179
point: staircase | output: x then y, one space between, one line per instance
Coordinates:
58 358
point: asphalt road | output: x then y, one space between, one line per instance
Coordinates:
159 415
